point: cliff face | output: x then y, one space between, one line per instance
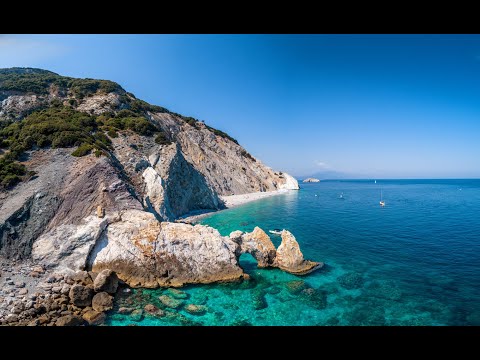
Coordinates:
147 159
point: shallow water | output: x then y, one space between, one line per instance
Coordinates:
414 262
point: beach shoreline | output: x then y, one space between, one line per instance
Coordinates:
230 201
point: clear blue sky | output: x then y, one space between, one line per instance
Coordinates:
375 106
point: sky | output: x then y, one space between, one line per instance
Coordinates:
353 106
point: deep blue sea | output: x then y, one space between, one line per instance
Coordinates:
415 261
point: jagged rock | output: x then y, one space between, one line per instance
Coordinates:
290 258
93 317
102 302
80 295
69 320
106 281
258 244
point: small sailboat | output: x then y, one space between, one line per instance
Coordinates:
382 202
375 181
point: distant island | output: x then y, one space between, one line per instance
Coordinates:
311 180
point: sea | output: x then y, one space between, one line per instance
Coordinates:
415 261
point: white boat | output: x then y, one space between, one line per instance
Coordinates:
382 202
341 196
275 231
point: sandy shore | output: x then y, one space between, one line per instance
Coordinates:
232 201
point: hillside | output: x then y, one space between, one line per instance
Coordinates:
70 146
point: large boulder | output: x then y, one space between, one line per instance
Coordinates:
102 302
290 258
146 253
93 317
80 295
106 281
69 320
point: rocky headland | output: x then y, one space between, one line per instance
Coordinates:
91 180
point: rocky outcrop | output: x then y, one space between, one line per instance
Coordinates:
146 253
290 183
258 244
106 281
174 187
287 257
290 258
102 302
80 295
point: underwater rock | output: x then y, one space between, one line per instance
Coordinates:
365 315
177 294
241 322
314 297
170 302
196 309
385 290
259 301
136 315
295 286
350 281
153 310
273 290
125 310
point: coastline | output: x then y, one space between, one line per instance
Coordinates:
230 201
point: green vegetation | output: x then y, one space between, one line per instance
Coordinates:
221 134
127 120
62 127
39 81
162 139
194 122
246 154
10 172
83 150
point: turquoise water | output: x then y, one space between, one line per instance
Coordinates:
414 262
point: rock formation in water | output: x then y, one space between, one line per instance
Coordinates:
144 252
